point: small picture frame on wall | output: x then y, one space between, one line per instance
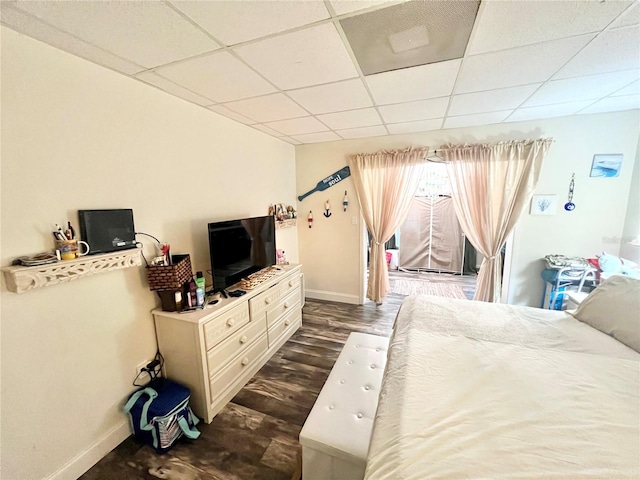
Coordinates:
606 165
544 205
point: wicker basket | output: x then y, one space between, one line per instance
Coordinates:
170 277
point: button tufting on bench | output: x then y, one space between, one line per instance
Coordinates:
335 437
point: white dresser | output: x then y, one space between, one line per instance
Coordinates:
216 351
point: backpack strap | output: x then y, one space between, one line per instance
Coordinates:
144 425
190 432
195 420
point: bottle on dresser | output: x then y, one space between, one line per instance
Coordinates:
200 289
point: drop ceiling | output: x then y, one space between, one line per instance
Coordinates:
315 71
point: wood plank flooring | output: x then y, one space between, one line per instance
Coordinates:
256 435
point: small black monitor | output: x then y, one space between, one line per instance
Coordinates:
107 230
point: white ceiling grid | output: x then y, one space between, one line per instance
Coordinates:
287 68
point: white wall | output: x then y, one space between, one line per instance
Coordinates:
632 220
78 136
330 252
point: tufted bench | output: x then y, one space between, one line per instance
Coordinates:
335 437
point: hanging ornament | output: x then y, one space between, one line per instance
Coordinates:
310 219
327 207
570 206
345 202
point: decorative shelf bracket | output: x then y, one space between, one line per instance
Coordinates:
21 279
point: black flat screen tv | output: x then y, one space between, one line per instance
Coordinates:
239 248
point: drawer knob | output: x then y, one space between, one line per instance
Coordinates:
291 283
245 360
243 339
267 300
286 304
287 321
231 322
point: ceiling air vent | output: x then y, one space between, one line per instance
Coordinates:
410 34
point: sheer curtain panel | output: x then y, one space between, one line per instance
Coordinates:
385 183
491 186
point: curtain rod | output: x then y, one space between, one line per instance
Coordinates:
432 153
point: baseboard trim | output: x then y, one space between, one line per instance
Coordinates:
86 459
332 296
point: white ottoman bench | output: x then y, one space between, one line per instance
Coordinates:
335 437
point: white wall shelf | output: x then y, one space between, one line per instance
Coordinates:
290 222
21 279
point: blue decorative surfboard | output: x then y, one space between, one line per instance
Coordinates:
330 181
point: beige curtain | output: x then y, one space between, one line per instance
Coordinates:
385 184
491 187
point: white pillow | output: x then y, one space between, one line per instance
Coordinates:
614 308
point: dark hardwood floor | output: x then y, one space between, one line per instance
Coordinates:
256 435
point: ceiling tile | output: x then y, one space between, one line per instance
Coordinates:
233 22
146 33
333 97
317 137
476 119
362 132
631 89
268 108
347 6
503 25
492 100
612 104
420 110
231 114
580 88
518 66
170 87
611 51
547 111
219 76
416 83
410 34
307 57
351 119
28 25
298 126
290 140
631 17
265 129
412 127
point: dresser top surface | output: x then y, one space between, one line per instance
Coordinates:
224 304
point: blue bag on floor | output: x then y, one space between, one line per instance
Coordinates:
160 414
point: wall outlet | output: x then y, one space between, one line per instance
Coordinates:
141 376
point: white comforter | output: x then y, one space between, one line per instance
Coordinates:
478 390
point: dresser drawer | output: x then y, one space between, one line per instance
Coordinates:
288 303
290 321
233 345
261 302
221 327
228 375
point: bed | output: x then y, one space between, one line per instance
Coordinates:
479 390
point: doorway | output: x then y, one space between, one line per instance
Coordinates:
429 253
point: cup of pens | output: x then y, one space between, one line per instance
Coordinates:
67 244
69 249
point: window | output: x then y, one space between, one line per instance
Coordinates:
435 181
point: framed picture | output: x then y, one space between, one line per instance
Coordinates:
606 165
543 205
